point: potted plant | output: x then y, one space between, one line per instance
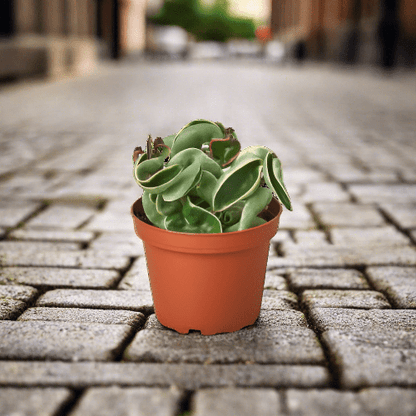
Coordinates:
206 218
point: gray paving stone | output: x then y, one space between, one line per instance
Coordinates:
302 279
300 218
323 403
69 341
137 277
135 300
404 215
61 216
325 319
266 319
274 281
47 277
11 214
52 235
22 293
343 257
109 221
324 191
373 358
33 401
380 193
348 215
101 316
281 235
311 238
11 308
327 298
397 283
279 300
389 401
23 247
371 237
233 402
251 345
127 243
81 259
141 401
186 376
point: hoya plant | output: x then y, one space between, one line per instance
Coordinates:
200 181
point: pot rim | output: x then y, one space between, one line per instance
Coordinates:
208 242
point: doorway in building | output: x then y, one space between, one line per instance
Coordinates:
6 18
107 17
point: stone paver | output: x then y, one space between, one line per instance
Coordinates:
110 401
302 279
402 214
186 376
137 277
52 235
48 277
328 298
370 358
101 316
279 300
61 216
397 283
81 259
399 193
33 401
368 236
251 345
325 319
371 401
69 341
341 269
233 402
348 215
135 300
343 256
11 214
25 247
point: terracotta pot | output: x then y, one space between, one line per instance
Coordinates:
207 282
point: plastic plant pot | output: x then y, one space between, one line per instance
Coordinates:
207 282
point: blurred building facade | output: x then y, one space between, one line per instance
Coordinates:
365 31
53 38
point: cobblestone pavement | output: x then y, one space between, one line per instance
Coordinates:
337 330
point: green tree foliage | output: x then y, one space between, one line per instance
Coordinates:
214 23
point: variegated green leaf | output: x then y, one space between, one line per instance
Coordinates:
254 204
186 179
167 208
206 186
151 212
194 134
238 183
273 176
201 218
162 180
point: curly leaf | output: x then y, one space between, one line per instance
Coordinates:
194 134
254 204
273 176
151 212
201 218
188 156
206 186
231 215
238 183
144 170
185 180
167 208
162 180
224 151
256 222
